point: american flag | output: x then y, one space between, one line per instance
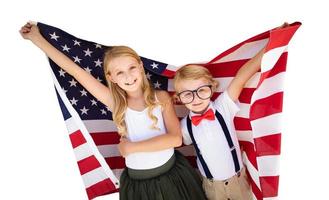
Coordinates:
94 136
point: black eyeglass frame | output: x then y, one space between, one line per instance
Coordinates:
196 92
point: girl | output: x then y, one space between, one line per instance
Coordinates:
145 118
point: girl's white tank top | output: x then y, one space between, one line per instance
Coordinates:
139 128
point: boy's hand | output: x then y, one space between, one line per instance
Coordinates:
284 25
30 31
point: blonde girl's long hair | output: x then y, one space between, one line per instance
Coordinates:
120 96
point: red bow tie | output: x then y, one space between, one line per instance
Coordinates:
207 115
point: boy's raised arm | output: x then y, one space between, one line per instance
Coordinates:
244 74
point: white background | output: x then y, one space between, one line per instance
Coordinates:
37 161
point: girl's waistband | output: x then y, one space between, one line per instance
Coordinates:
141 174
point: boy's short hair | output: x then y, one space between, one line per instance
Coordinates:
192 72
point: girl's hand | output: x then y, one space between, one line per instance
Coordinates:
30 31
125 147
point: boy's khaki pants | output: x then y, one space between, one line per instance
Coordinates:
234 188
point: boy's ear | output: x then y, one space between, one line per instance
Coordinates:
176 98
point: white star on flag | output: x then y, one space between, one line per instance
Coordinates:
88 70
77 59
103 112
83 92
98 63
74 101
73 83
98 46
88 52
66 48
54 36
76 42
154 65
148 76
93 102
62 72
84 110
157 85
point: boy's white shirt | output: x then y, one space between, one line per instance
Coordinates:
211 140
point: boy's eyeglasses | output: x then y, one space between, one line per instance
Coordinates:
203 92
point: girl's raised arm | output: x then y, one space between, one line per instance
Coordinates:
97 89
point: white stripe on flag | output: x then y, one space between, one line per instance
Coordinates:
172 68
99 126
110 150
94 176
269 87
271 57
267 125
82 151
244 110
251 169
246 51
245 136
71 125
268 165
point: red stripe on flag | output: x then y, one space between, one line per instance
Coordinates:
268 145
245 95
105 138
101 188
281 37
168 73
242 124
249 148
116 162
226 69
77 138
279 67
269 185
88 164
255 190
266 106
215 95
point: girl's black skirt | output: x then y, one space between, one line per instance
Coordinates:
175 180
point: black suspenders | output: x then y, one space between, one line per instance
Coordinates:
228 139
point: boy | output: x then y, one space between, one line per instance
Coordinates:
209 127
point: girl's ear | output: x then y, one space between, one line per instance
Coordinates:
109 77
142 66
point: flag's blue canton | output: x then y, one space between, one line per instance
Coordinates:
65 112
89 56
